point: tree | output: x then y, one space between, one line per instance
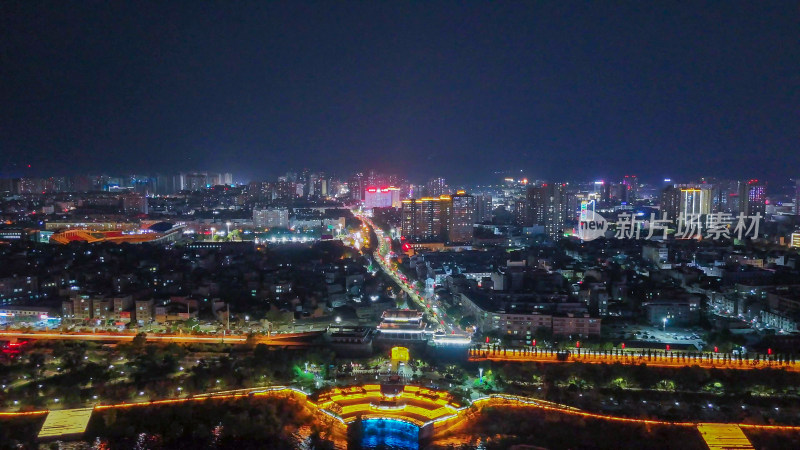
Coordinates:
467 321
251 340
543 334
36 362
139 341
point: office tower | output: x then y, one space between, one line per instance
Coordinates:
381 197
752 198
483 208
462 218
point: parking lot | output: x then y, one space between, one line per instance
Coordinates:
649 333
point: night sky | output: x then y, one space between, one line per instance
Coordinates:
559 89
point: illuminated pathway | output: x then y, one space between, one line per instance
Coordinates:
284 340
433 411
724 436
658 358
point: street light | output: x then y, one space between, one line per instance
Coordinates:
480 374
665 324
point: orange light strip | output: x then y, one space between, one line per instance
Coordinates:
24 413
441 414
656 361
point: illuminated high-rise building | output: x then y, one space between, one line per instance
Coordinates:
283 190
318 185
357 184
462 218
797 197
695 200
548 207
670 203
436 187
752 198
409 218
795 239
195 181
483 208
533 212
271 217
631 183
426 219
134 203
164 185
522 213
381 197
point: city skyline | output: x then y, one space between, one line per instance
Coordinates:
406 225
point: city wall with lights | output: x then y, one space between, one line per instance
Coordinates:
654 358
433 411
